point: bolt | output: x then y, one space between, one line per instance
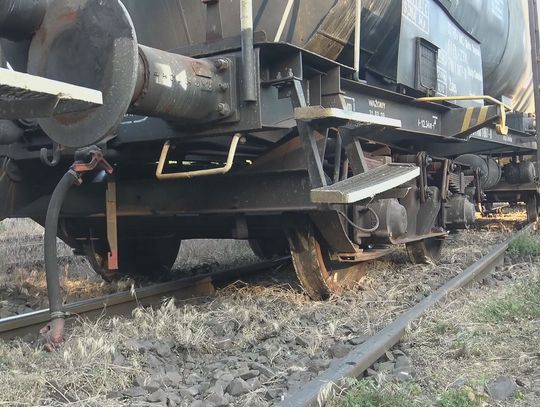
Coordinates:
223 87
223 109
221 64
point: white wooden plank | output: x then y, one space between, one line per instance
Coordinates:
42 86
321 113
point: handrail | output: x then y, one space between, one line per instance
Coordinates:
199 173
502 128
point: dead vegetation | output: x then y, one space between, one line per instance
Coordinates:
22 281
483 334
478 349
265 327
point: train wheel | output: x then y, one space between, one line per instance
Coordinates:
266 249
532 208
141 258
320 277
425 251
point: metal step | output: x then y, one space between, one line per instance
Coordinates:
366 185
318 113
25 96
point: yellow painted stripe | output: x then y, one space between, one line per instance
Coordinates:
483 114
467 119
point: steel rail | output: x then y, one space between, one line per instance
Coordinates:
317 392
124 303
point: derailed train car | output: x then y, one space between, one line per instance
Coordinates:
330 129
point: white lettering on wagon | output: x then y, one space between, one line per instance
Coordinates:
428 124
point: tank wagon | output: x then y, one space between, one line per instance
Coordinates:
330 129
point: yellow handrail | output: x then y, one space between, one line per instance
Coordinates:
502 128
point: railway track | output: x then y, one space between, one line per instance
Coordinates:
359 359
316 392
124 303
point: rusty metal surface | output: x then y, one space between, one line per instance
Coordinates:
101 56
183 89
183 22
19 19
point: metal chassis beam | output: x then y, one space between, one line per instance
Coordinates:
325 83
249 193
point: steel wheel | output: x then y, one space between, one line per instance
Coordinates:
320 277
141 258
532 208
425 251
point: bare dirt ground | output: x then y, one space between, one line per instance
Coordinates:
249 346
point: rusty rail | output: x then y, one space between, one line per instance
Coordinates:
317 392
124 303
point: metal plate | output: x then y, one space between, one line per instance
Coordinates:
323 113
366 185
92 44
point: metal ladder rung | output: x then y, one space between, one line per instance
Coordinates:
366 185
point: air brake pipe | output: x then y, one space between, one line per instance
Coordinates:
20 19
54 331
9 132
248 52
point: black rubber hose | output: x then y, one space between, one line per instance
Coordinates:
9 132
20 19
51 253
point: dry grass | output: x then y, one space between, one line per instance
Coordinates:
211 254
242 320
22 281
365 393
482 334
82 373
248 317
273 320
